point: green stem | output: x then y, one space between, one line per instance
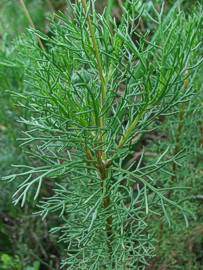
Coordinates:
100 71
101 155
96 50
130 129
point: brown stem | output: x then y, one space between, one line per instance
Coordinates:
179 132
120 4
103 170
51 7
178 139
27 14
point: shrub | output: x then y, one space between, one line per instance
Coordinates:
92 94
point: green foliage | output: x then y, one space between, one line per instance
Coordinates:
10 263
18 237
88 101
92 94
13 20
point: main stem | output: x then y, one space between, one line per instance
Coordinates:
101 155
100 73
96 49
107 204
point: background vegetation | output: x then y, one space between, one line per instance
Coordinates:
25 240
